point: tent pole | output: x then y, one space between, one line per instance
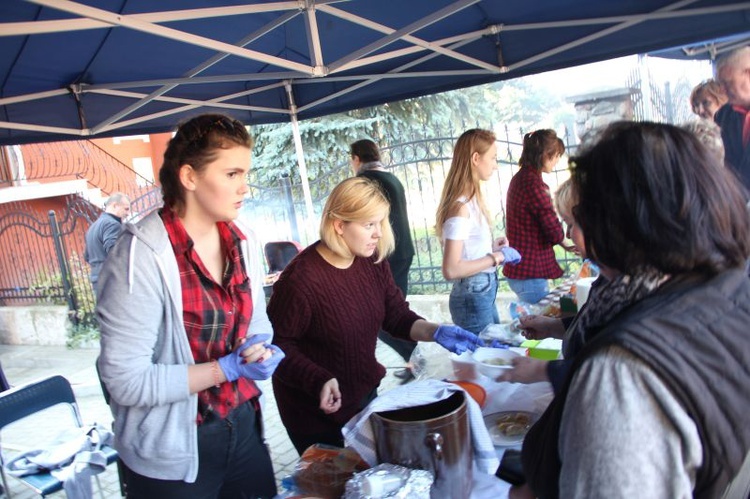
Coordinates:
300 159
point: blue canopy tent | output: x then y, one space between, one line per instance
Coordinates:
93 68
706 50
96 68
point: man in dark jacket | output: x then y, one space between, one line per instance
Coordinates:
733 73
103 233
365 160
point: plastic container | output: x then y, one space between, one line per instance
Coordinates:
583 286
464 367
546 349
476 391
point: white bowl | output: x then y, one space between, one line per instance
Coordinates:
493 362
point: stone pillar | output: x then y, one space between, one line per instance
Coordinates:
596 110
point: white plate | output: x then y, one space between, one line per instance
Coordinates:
498 437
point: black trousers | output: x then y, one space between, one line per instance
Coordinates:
400 271
234 463
333 437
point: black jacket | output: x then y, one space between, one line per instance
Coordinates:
693 334
736 156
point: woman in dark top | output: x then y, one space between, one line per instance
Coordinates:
532 226
327 308
656 400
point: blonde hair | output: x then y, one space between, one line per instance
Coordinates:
356 199
462 179
565 198
711 88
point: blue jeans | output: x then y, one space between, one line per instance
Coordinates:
529 290
472 302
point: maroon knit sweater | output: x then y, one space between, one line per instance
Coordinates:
326 320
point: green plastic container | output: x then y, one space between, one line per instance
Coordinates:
541 353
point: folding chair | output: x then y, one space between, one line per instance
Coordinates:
26 400
280 253
4 385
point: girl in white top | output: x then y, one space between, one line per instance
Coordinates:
470 257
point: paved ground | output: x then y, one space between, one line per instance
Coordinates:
28 363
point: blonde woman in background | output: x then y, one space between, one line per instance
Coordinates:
470 256
706 98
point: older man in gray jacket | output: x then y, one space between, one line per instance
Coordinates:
103 233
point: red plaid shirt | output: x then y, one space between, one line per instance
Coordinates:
214 315
532 227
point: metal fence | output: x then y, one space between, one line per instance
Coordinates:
278 212
41 257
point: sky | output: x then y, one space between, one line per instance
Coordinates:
614 73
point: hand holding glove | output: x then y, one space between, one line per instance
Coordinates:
234 365
499 243
456 339
510 255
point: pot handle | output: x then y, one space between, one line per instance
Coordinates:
434 441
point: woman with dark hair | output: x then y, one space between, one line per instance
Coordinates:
184 330
657 398
532 226
365 160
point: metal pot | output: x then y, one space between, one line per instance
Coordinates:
434 437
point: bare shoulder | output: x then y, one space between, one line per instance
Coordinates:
458 209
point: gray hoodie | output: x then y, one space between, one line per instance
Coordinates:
145 351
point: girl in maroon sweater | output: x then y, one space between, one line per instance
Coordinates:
327 308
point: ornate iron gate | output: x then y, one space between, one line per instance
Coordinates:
42 258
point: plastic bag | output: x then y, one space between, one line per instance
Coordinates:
507 334
430 361
322 471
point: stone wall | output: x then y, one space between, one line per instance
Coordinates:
34 325
48 324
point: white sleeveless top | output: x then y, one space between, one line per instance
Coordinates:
473 231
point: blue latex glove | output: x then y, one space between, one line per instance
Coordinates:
498 344
234 365
456 339
511 255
